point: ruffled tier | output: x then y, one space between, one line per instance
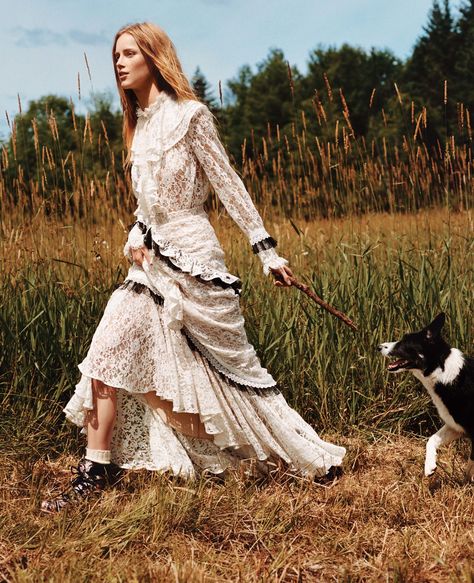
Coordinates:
178 259
208 314
172 117
133 350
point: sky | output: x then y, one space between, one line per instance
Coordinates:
44 41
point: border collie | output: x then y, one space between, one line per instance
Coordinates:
447 375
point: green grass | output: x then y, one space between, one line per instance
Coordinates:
390 273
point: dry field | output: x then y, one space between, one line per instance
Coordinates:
381 521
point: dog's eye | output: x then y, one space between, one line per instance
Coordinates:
421 355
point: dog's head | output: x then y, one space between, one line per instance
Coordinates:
424 350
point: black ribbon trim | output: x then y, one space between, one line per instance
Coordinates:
264 244
151 244
141 288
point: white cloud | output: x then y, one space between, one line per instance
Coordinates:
36 37
40 37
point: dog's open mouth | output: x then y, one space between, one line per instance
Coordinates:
397 364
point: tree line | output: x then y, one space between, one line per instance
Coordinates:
372 94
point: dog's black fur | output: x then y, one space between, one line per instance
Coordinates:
448 375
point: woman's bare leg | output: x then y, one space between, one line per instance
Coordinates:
187 423
101 420
96 471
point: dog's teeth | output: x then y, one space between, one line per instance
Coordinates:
396 364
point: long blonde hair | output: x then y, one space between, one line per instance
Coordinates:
160 55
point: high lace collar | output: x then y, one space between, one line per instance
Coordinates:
153 107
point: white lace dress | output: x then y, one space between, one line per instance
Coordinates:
175 327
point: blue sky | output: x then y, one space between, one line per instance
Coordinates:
45 40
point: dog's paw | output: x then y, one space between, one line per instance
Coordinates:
430 468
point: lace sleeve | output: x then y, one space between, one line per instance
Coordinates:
228 186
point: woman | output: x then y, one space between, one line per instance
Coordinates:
170 382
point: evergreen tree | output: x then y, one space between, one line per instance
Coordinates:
464 63
106 125
103 115
430 65
237 112
355 73
203 89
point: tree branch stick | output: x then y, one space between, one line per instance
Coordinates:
311 294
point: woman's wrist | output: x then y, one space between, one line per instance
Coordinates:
271 260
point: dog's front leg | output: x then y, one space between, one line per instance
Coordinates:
442 437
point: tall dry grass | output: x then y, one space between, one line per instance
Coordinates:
317 168
63 230
340 210
389 275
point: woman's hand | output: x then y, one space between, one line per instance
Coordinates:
140 254
282 276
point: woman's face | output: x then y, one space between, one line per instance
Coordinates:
131 66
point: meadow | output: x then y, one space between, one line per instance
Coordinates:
385 233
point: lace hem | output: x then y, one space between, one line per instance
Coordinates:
178 260
234 379
271 260
251 431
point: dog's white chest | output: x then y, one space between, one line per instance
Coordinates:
443 411
452 367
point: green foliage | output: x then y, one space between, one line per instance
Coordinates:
203 90
464 58
43 135
364 79
50 135
261 100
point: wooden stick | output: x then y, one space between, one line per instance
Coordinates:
310 293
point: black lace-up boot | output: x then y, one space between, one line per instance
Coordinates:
91 477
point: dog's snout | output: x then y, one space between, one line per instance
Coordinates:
386 347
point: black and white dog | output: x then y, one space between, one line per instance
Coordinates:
447 375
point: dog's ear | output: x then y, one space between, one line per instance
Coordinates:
433 330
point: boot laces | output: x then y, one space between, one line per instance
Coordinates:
81 486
